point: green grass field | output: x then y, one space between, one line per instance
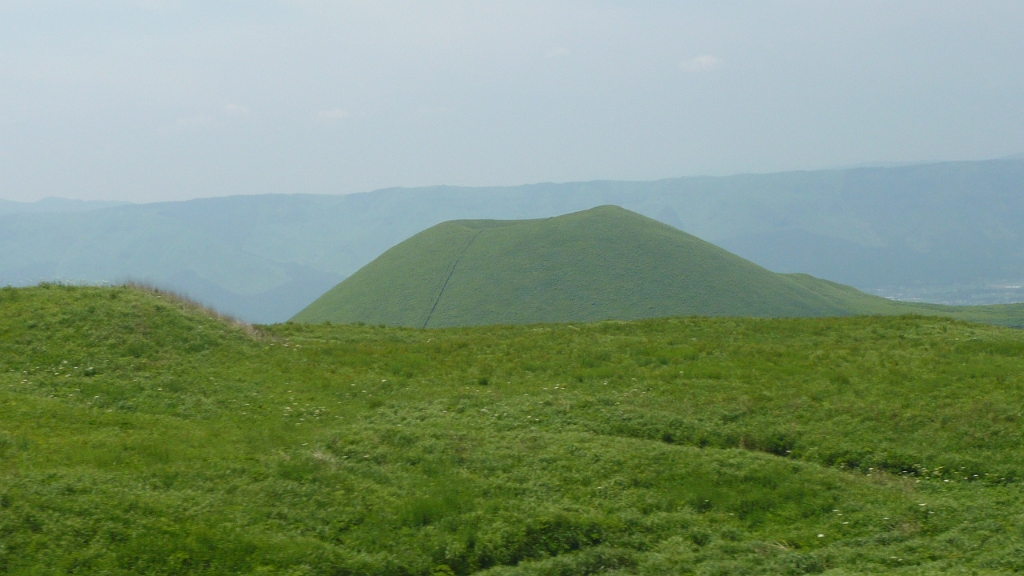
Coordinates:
599 264
140 435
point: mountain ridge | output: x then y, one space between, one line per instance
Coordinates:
848 226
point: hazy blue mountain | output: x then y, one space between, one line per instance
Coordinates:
952 226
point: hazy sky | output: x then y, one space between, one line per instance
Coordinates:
158 100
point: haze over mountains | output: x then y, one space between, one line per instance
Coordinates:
949 231
55 205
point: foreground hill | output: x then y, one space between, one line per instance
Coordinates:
948 232
139 435
603 263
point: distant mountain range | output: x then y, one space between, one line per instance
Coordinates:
605 263
941 229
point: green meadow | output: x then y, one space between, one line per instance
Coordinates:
140 434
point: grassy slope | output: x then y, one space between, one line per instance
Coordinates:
411 278
138 436
592 265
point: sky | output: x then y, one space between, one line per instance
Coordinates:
167 100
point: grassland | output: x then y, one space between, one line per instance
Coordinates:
598 264
139 435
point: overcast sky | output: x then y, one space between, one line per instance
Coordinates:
160 100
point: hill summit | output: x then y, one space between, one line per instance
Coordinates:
598 264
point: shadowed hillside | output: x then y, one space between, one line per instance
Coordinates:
603 263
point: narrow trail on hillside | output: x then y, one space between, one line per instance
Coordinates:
449 277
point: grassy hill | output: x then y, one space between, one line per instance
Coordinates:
139 435
602 263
